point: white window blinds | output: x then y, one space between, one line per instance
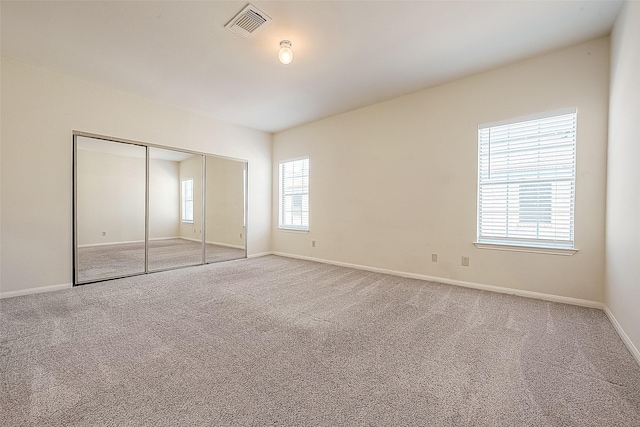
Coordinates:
526 182
294 194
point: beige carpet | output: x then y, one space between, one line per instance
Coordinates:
276 341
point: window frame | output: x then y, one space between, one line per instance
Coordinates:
286 225
535 245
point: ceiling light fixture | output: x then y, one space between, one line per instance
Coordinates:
286 54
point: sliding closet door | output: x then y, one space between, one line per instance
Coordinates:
225 209
141 208
175 209
109 208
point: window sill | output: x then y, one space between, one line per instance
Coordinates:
187 222
531 249
293 230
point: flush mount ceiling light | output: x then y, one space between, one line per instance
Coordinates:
286 54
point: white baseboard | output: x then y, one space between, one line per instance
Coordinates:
153 239
189 239
499 289
226 245
38 290
623 335
92 245
260 254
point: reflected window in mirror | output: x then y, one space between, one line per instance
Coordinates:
187 201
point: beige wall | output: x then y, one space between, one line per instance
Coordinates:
394 182
39 110
623 177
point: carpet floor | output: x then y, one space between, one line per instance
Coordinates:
109 261
278 341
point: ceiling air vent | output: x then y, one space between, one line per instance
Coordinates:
248 22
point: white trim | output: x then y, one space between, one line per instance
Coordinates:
491 288
191 239
126 242
226 245
293 230
623 336
37 290
531 249
260 254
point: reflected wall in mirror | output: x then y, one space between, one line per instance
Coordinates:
175 209
225 209
110 209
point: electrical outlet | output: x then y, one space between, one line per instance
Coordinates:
241 235
434 257
465 261
313 243
104 233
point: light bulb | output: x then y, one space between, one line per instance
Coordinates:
285 54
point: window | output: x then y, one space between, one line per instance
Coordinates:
526 182
187 200
294 194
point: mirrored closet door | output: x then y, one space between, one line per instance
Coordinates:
140 208
110 209
225 209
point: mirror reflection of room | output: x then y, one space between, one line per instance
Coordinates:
175 209
110 209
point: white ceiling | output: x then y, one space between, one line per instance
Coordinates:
348 54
